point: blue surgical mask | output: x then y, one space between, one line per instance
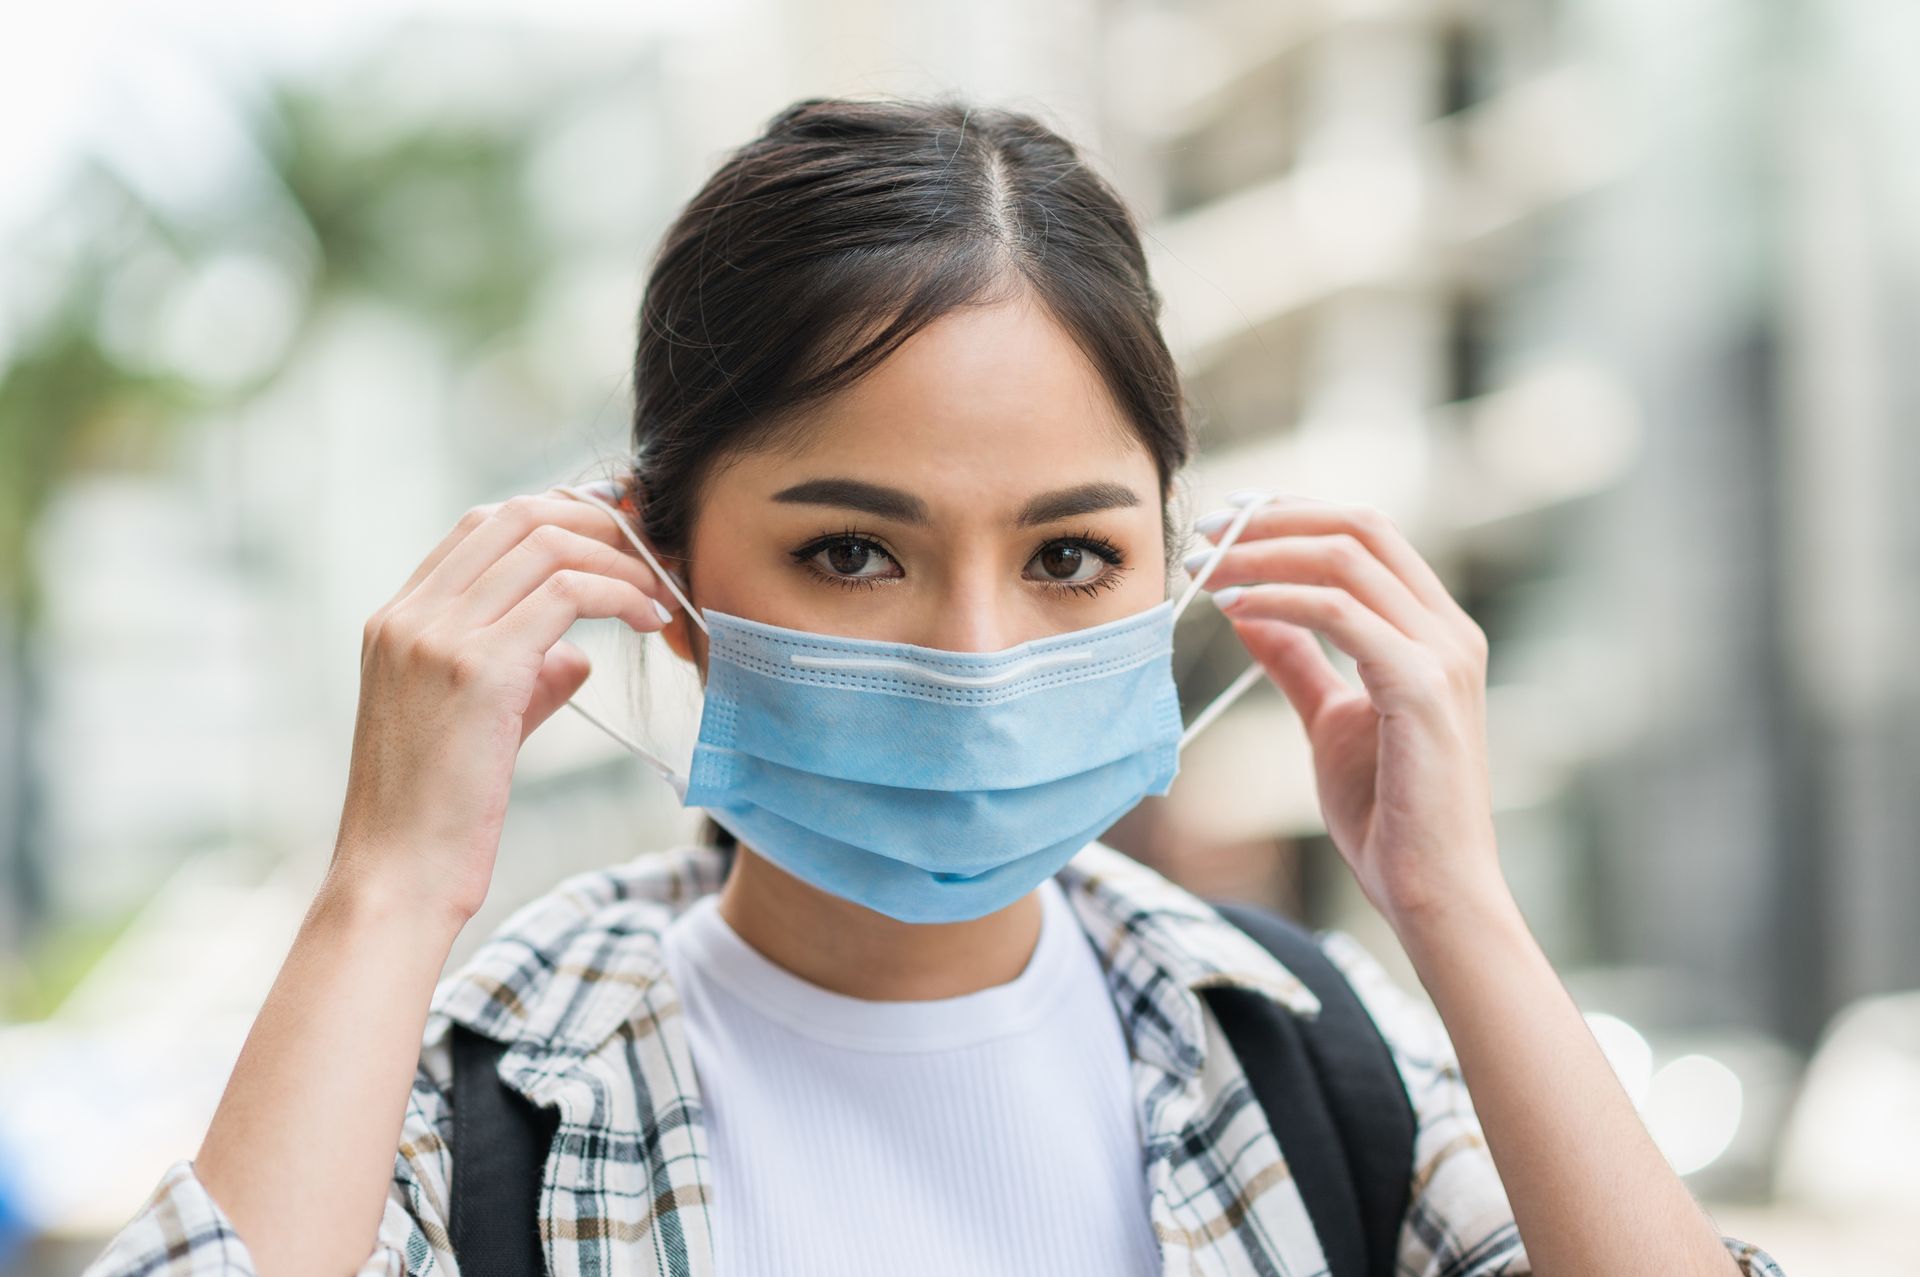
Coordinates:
931 785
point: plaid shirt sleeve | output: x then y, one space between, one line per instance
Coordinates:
1459 1222
180 1231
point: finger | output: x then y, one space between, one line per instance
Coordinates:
1292 656
546 550
570 595
1336 558
506 528
1366 524
561 675
1398 672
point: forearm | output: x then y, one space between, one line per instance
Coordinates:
301 1148
1591 1192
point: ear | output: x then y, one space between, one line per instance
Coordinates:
679 635
679 631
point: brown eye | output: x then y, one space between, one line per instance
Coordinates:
849 558
1061 561
1064 563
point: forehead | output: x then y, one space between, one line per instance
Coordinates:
982 405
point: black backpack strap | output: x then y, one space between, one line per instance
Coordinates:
1332 1094
500 1143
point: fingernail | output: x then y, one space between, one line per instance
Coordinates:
1225 598
1193 562
661 608
1212 523
1247 496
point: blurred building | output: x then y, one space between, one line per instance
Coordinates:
1601 302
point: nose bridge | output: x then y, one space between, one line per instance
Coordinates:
975 613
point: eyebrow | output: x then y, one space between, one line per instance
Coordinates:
902 506
857 494
1066 503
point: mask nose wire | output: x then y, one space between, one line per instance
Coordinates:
647 756
1250 675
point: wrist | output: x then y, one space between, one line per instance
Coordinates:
1470 914
377 904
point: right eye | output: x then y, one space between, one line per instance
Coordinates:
844 559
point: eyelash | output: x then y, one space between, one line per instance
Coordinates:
1087 540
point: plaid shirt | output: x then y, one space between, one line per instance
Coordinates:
574 982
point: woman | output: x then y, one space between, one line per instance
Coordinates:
900 382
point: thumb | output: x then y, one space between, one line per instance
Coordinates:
561 675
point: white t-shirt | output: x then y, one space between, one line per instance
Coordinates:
991 1133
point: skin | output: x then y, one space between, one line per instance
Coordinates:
977 414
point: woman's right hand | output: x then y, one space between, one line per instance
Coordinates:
456 670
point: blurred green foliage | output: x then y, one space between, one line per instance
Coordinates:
33 987
66 403
428 217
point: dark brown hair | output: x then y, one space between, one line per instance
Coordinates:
846 227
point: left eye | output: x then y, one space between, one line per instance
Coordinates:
1067 564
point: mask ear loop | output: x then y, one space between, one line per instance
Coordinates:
582 494
658 764
1227 538
1250 675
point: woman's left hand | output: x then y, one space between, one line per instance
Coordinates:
1402 769
1401 763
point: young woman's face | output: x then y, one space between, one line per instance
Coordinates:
978 489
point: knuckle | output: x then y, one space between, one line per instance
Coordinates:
465 669
1469 669
560 587
418 655
394 636
1433 677
596 554
1328 605
1372 520
1345 552
422 650
550 541
568 585
375 635
522 509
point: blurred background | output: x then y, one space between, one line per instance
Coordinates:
1609 303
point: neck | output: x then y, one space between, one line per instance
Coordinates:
849 949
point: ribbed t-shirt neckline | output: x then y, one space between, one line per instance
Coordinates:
862 1024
